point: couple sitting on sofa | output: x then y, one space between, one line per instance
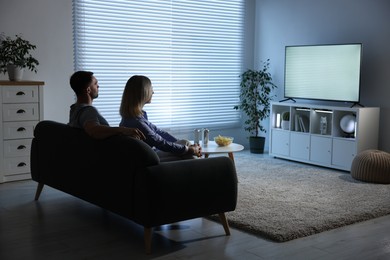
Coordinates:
137 93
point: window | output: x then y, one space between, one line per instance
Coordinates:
191 50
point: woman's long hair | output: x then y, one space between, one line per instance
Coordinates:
137 93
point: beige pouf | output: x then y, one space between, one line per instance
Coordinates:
371 166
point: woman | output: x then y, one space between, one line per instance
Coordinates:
137 93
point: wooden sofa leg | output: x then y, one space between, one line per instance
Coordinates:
225 223
39 190
148 240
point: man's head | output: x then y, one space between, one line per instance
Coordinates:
83 82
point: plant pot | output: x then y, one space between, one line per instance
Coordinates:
285 125
256 144
15 73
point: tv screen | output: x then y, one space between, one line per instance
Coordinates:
325 72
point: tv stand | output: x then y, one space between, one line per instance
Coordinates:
287 99
307 139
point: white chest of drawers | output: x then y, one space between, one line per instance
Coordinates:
21 109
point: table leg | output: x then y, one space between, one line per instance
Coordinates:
231 156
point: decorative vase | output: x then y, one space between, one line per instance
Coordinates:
15 73
348 123
285 125
256 144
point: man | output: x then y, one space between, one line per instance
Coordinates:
84 115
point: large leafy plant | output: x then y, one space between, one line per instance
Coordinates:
256 97
16 52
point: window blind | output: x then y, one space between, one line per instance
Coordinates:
191 50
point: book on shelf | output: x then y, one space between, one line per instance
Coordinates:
297 126
301 123
306 123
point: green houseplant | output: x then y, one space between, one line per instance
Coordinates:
15 56
255 100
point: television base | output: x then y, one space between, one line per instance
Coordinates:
356 104
287 99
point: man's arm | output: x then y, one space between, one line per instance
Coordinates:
97 131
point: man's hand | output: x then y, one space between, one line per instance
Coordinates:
98 131
134 132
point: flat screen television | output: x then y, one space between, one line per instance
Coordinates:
323 72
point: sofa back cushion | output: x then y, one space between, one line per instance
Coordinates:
68 159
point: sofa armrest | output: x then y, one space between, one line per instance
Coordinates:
175 191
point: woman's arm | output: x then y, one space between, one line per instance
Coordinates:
152 137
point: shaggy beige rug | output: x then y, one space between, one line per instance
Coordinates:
283 200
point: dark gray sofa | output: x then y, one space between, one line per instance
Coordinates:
124 175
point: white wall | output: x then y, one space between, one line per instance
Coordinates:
289 22
48 25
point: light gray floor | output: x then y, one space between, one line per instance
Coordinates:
60 226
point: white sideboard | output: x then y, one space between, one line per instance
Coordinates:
304 140
21 109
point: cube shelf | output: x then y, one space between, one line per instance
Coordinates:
328 136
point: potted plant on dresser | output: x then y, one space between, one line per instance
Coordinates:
15 57
255 100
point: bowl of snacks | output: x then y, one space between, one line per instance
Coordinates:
223 140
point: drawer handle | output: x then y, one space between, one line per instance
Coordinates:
21 129
21 111
22 164
21 147
20 93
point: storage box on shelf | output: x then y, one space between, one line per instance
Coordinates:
315 134
21 104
